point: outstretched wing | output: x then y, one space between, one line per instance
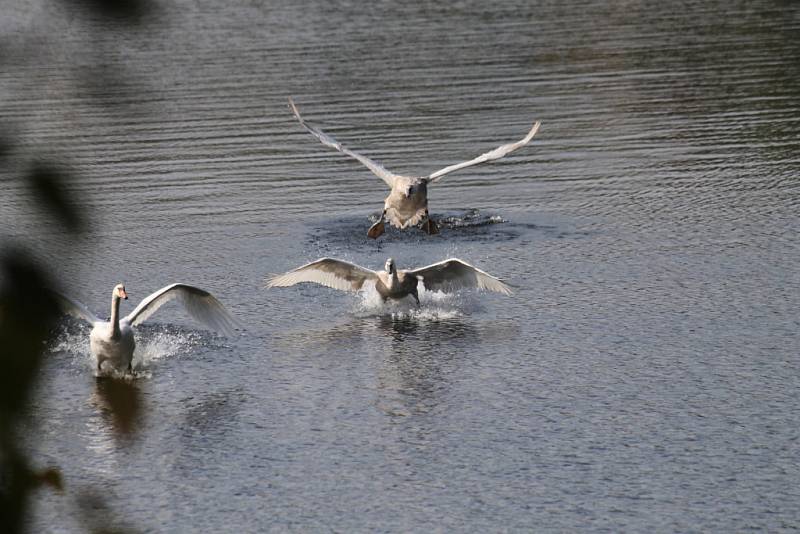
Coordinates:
454 274
200 304
377 169
75 308
329 272
497 153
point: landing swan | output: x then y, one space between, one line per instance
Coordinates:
112 342
447 276
407 204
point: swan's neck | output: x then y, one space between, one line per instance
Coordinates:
394 281
115 316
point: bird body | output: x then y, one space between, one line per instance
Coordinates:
407 203
448 275
114 348
391 284
112 342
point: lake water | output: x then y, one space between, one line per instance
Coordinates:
645 375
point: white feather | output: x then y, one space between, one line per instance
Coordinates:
377 169
497 153
200 304
330 272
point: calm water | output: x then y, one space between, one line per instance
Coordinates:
644 376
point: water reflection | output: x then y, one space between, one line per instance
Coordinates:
116 419
398 328
418 362
118 402
411 353
415 326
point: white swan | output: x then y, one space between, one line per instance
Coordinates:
407 204
447 276
112 341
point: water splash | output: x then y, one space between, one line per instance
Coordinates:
468 218
163 341
72 341
331 236
153 343
434 305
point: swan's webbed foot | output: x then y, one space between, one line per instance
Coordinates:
377 229
416 298
430 227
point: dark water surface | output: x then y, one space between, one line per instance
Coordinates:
644 376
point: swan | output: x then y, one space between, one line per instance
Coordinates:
407 204
112 343
447 276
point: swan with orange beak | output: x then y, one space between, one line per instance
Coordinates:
112 342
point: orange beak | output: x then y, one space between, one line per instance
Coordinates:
123 294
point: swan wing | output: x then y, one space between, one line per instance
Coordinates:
329 272
497 153
75 308
377 169
200 304
453 274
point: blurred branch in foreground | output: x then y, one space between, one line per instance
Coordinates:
28 314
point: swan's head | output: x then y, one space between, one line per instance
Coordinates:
389 267
119 292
